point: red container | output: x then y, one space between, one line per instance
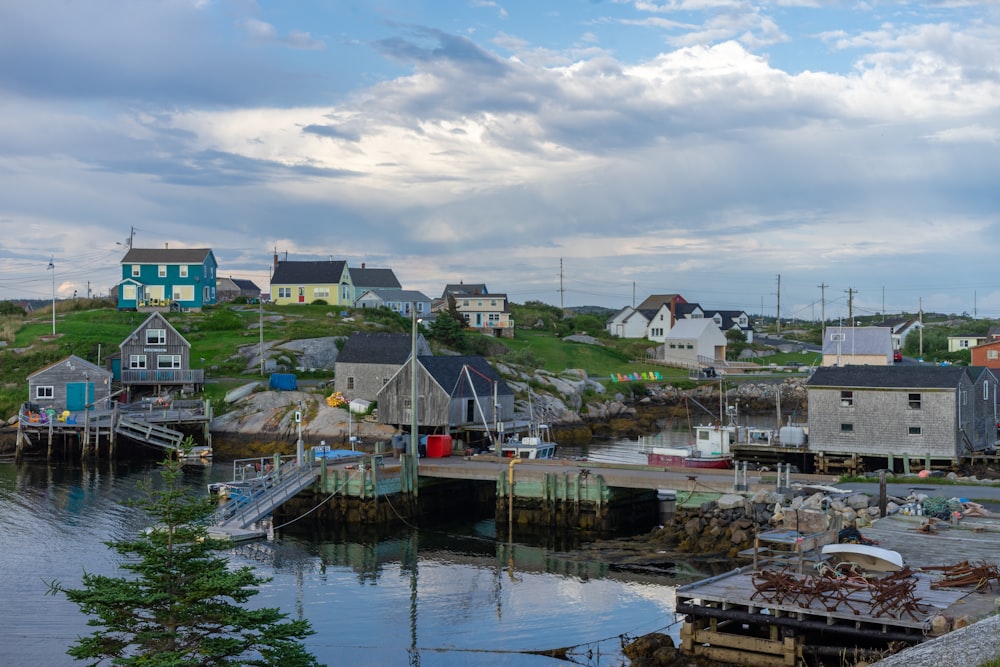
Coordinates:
438 446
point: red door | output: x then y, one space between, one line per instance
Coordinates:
302 295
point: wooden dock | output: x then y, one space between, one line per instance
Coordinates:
84 431
743 617
779 613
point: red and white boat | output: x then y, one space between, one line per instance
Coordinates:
710 449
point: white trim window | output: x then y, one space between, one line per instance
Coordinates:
161 270
284 292
43 392
137 361
184 270
136 270
156 336
164 361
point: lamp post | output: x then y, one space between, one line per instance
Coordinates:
414 423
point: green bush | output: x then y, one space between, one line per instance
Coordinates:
222 320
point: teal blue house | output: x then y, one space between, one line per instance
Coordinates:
167 279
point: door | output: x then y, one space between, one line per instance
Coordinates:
302 295
78 395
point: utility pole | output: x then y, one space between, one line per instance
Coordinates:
920 319
561 291
260 312
822 313
777 324
850 303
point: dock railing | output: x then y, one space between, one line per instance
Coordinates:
257 497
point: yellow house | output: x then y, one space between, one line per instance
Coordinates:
305 282
965 342
330 281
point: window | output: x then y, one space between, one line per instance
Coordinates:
184 270
689 346
161 270
913 430
156 336
914 401
986 391
44 392
136 269
847 428
846 399
128 292
137 361
350 383
493 318
321 293
465 302
992 354
407 404
168 361
673 346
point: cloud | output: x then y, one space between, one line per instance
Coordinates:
484 152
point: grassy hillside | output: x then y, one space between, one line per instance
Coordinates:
93 330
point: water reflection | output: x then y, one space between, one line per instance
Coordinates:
441 593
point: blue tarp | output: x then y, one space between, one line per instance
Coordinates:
283 382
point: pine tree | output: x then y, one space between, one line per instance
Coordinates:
182 605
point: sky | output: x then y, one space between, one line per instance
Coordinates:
808 157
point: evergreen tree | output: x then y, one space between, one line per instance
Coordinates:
448 328
182 606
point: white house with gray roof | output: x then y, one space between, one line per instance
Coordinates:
862 346
403 302
693 343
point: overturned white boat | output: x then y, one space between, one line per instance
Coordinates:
868 557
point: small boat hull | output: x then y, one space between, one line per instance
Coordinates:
872 558
666 460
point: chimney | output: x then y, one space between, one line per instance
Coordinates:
166 246
275 259
673 312
362 265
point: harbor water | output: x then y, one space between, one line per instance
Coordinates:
441 593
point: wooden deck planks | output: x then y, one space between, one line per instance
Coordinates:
737 588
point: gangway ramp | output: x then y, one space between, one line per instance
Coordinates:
259 497
151 434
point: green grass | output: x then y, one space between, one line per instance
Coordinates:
217 334
600 361
93 334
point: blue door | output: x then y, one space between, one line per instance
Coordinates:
78 394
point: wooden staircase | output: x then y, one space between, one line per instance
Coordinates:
151 434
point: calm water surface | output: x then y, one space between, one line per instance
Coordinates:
434 595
